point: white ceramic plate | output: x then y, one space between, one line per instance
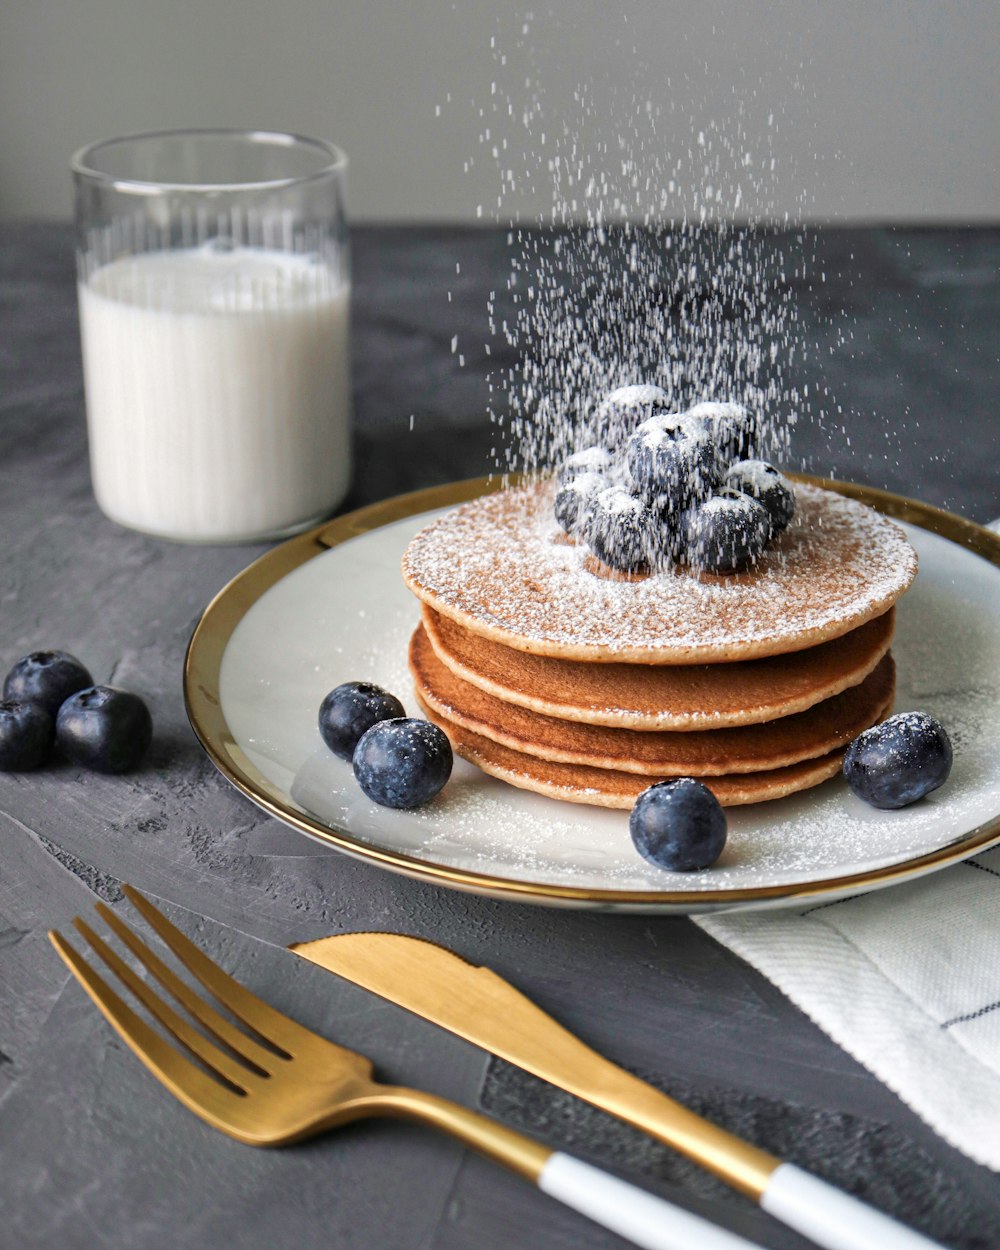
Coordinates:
330 606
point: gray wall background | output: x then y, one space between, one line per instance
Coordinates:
879 109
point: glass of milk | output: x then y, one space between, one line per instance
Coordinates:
214 289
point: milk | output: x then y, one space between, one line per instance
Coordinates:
218 391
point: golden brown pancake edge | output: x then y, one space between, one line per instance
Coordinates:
598 787
746 749
676 697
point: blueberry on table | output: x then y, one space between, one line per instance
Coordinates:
672 460
898 761
104 728
350 710
26 734
589 460
621 410
619 529
46 678
678 825
725 533
403 763
763 482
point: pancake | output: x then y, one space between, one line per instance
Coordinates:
747 749
498 567
605 787
676 697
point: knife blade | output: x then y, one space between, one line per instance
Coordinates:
484 1009
481 1007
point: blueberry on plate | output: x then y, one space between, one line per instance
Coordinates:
619 529
104 728
735 430
621 410
763 482
572 502
350 710
678 825
898 761
403 763
725 533
26 733
47 678
672 460
590 460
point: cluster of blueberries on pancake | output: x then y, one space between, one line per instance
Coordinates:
660 487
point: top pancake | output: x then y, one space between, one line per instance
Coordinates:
501 567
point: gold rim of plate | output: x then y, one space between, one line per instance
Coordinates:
208 643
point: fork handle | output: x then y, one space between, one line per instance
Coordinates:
633 1213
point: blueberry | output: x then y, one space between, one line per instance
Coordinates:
26 733
403 762
663 545
47 678
591 460
735 430
103 728
725 533
617 415
350 710
665 420
573 501
619 529
672 460
679 825
772 489
899 761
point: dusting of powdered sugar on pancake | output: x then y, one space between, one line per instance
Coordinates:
499 565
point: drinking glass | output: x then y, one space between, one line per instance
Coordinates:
214 288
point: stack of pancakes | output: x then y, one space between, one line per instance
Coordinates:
564 678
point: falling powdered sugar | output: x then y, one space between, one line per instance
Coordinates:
656 245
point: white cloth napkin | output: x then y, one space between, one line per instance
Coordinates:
907 980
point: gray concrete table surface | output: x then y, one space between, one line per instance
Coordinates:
93 1153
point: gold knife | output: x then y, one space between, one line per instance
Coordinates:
484 1009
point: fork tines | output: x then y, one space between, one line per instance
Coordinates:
234 1068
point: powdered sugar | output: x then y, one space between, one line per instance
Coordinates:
629 398
590 460
712 410
618 502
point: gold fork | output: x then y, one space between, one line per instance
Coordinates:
292 1083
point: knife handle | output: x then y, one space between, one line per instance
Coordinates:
832 1218
633 1213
